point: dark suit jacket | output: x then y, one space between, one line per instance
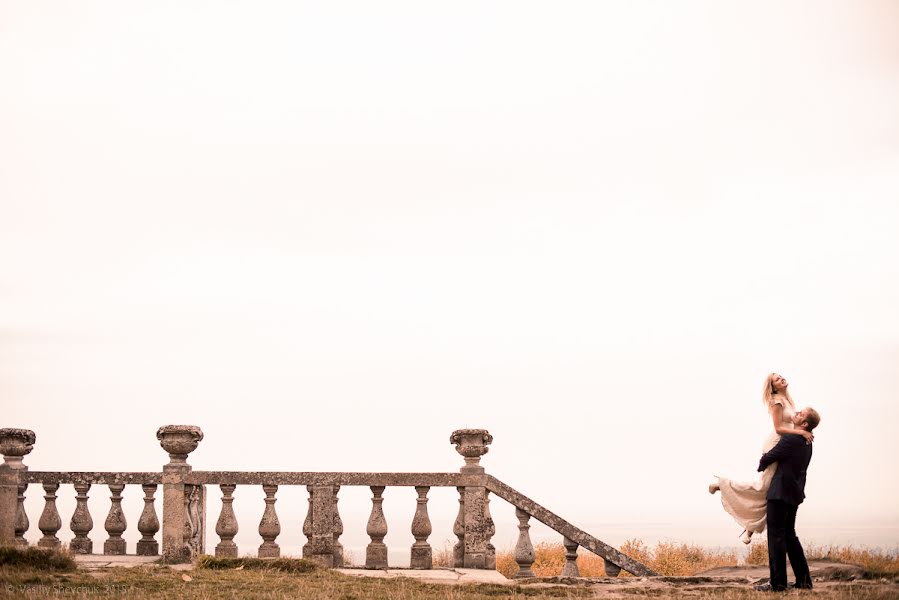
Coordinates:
792 456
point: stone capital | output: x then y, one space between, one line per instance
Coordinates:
14 444
472 445
179 441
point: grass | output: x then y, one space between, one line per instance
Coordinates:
38 573
680 559
37 558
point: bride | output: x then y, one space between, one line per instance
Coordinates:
746 501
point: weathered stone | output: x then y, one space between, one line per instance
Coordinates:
422 556
459 532
22 523
115 522
524 550
553 521
321 544
269 526
307 525
330 478
49 523
612 570
226 526
376 551
195 521
148 524
472 445
92 477
490 556
181 534
81 523
14 444
476 530
179 441
184 504
338 531
570 569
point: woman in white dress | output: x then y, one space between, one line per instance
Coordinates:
746 501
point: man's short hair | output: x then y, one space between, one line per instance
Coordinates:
812 418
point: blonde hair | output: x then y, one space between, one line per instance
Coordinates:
769 395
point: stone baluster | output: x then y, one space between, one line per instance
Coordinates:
14 444
490 556
524 550
22 523
570 569
179 441
269 526
421 528
376 551
49 523
459 532
338 531
472 444
81 523
148 524
226 527
612 570
115 522
307 526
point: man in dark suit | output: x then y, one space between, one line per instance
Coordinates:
792 455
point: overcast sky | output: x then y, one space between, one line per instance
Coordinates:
330 234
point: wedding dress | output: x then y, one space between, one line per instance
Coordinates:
746 501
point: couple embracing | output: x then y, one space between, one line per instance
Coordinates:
774 498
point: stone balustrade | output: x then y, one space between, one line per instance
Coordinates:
184 491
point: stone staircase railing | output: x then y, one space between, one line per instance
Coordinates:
184 509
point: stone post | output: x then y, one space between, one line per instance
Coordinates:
376 551
269 526
178 441
524 551
226 527
321 543
421 556
81 523
14 444
148 524
49 523
115 521
472 444
570 569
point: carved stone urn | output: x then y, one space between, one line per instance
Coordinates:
472 445
179 441
14 444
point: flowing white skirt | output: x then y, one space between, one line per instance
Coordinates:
746 501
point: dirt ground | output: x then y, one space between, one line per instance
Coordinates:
831 580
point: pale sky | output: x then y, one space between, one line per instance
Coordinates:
330 234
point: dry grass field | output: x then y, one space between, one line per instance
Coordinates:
36 576
680 559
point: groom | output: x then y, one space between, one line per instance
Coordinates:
792 455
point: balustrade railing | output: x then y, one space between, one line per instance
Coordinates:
184 509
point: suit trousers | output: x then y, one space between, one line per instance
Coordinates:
782 541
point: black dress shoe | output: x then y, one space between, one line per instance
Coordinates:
805 586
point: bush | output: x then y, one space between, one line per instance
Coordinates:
287 565
45 559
